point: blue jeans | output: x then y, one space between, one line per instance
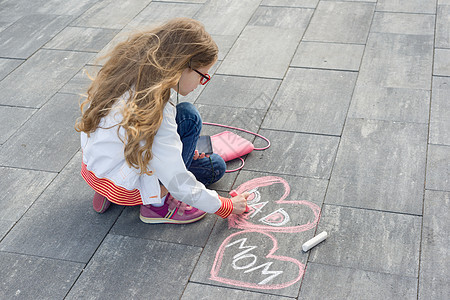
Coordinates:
206 170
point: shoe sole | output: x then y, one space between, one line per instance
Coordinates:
104 207
168 221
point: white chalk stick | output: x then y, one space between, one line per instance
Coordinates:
314 241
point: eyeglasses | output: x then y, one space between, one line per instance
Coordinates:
205 77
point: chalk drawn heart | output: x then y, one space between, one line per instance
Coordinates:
266 269
275 221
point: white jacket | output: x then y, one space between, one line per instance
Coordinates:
103 155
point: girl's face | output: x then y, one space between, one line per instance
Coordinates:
190 79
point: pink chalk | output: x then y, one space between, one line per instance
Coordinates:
233 193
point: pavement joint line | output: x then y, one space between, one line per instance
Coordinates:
263 292
324 69
43 257
374 209
18 106
327 42
248 76
77 51
12 58
180 2
28 169
332 42
404 12
365 270
283 174
442 76
387 121
436 190
430 103
146 239
301 132
285 6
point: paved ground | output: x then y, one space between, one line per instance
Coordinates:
354 97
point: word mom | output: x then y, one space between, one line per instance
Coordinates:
251 259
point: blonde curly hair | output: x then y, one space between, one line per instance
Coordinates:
146 66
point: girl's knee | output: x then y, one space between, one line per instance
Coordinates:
188 112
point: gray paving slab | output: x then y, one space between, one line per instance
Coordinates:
8 65
224 42
61 224
332 282
236 259
281 17
40 77
27 277
242 92
328 56
407 6
80 83
394 79
226 17
443 25
380 165
295 154
12 119
4 25
111 14
247 118
441 62
353 0
195 234
16 41
145 268
311 100
249 58
20 188
300 188
369 240
340 22
440 106
291 3
57 7
152 15
397 61
390 104
434 271
157 13
187 1
5 226
31 147
268 26
438 168
403 23
195 291
82 39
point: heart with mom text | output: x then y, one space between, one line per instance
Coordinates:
239 255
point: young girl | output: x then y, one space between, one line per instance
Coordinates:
139 148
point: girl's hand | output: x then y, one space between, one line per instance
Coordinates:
199 156
240 203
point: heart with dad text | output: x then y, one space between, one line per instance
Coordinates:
262 216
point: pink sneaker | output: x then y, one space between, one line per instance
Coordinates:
173 211
100 203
